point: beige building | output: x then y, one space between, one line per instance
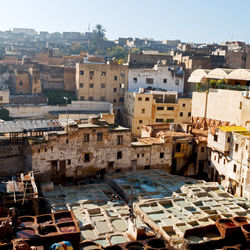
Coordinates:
102 82
222 105
155 107
97 147
229 154
4 96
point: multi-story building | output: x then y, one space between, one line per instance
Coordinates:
229 154
102 82
159 77
154 107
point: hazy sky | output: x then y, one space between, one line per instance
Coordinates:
187 20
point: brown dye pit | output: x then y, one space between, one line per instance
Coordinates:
26 221
156 243
26 233
135 246
45 230
44 220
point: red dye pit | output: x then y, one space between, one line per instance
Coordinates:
63 219
68 229
26 233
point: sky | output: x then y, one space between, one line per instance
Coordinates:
187 20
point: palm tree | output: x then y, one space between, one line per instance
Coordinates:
99 36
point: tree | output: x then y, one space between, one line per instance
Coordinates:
5 114
97 43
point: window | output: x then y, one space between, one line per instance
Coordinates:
178 147
170 120
121 99
86 157
135 80
159 120
189 113
1 98
183 104
103 86
103 73
99 136
69 162
67 141
138 155
143 111
176 81
119 155
181 113
103 98
115 78
86 137
140 121
81 72
147 99
161 155
114 101
215 137
236 147
160 108
119 139
149 80
91 98
91 74
202 149
20 83
114 90
51 149
34 91
81 98
91 85
81 85
165 80
228 139
170 108
139 98
122 86
240 105
235 168
45 150
142 154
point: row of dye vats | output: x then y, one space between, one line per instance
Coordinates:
46 229
224 233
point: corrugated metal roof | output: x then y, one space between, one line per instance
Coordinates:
30 126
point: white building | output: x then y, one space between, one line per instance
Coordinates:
229 156
160 77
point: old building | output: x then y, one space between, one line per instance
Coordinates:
102 82
229 152
165 77
147 60
181 142
154 107
4 96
